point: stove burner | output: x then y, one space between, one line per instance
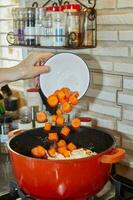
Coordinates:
15 191
123 188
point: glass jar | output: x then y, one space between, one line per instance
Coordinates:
29 30
18 24
39 15
46 38
88 30
73 24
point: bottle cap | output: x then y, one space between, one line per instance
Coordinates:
76 7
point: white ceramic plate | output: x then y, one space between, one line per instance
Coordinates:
67 70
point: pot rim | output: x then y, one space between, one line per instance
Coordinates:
113 146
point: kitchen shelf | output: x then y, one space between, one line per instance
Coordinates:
78 34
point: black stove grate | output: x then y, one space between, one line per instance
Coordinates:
123 188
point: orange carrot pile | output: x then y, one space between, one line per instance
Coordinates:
65 100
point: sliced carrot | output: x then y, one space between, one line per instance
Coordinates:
66 91
61 143
41 117
75 93
73 100
75 122
47 126
66 107
52 152
53 136
59 111
61 95
52 100
66 153
71 146
60 120
56 93
63 100
38 151
65 131
54 118
61 149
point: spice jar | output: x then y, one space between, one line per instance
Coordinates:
39 15
73 24
18 24
29 30
54 26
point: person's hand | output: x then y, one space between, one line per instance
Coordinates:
14 132
33 65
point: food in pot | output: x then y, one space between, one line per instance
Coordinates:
59 147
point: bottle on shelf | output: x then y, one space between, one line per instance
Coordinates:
73 24
29 30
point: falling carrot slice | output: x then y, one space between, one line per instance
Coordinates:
52 100
47 126
66 107
60 120
41 117
59 112
61 143
53 136
75 122
54 118
65 131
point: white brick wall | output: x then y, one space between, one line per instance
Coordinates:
126 128
107 35
105 108
124 68
128 113
128 82
100 65
110 51
125 3
125 98
116 19
106 80
104 94
126 35
102 4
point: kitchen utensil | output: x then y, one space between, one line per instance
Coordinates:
75 179
67 70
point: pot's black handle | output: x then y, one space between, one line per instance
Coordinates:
44 100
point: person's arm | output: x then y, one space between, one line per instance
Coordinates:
25 69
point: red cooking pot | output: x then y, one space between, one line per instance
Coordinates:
63 179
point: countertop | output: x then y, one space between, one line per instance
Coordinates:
6 172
